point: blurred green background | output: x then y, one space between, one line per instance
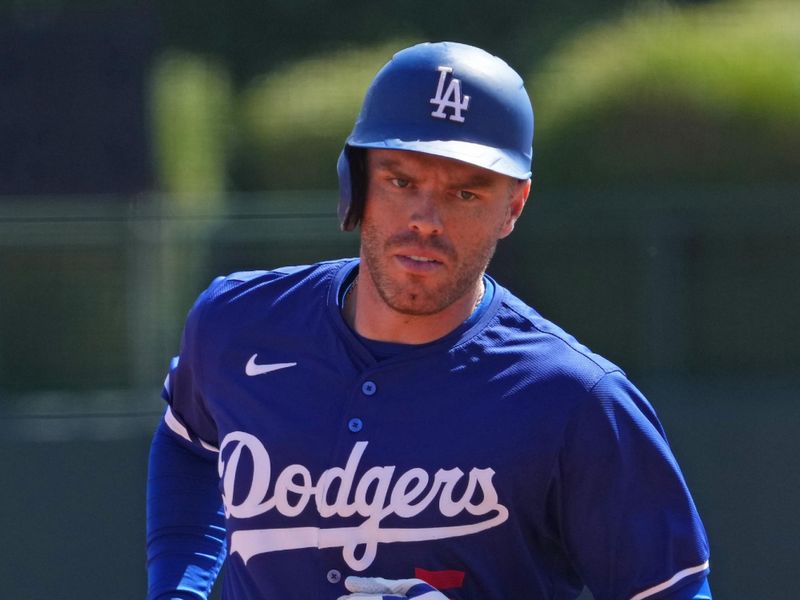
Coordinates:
147 147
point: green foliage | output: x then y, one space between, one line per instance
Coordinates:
708 93
254 37
665 94
294 121
192 101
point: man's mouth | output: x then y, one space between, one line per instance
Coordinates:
421 258
419 264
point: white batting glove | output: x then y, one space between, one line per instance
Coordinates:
378 588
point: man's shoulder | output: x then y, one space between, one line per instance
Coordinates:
242 286
550 351
233 300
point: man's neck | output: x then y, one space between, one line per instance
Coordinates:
367 313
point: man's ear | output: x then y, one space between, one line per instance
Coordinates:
519 196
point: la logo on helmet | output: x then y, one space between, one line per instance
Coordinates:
450 98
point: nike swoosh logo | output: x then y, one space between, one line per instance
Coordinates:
253 368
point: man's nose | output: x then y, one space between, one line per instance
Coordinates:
425 216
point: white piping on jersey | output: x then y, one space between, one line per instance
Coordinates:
175 425
670 582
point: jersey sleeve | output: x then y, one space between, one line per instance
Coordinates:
624 510
185 520
694 590
187 414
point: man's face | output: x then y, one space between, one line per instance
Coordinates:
431 225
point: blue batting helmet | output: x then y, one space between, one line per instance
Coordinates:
447 99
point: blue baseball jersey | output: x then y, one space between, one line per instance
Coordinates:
504 460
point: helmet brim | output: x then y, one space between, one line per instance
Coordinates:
498 160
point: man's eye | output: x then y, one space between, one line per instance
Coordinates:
465 195
401 183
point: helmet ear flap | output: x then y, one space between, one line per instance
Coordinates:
352 170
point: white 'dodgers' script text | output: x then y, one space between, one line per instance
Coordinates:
374 496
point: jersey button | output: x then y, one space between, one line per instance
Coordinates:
369 388
355 425
334 576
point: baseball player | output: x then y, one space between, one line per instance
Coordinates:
400 425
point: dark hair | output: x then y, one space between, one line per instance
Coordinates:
357 158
